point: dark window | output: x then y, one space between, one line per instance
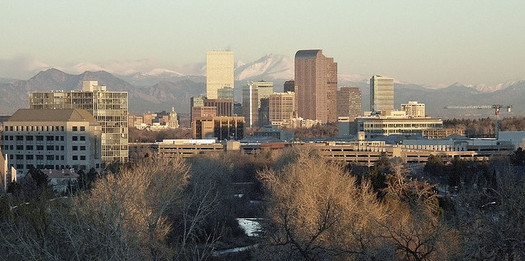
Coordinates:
50 138
75 148
74 138
29 138
50 157
75 128
75 157
19 166
39 137
19 147
50 147
19 137
39 157
39 147
61 138
82 128
82 138
82 147
82 157
29 157
29 166
19 156
29 147
61 147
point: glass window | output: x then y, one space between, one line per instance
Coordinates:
75 128
82 128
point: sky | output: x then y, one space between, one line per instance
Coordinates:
424 42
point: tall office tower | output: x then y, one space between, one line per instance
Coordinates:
250 104
109 108
54 139
225 93
414 109
289 86
224 106
381 93
264 90
349 102
264 112
196 101
219 72
282 107
316 86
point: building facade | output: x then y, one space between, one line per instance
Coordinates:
414 109
250 101
282 107
109 108
52 139
378 126
349 102
219 72
222 128
381 93
316 86
224 106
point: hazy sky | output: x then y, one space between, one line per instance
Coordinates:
426 42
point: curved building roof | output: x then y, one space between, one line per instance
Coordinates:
307 53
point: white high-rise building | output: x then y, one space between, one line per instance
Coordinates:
381 93
219 72
414 109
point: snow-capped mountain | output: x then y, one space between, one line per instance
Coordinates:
268 67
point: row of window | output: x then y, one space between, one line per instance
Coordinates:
39 147
41 138
42 166
42 128
47 157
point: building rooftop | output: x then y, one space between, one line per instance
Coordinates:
52 115
307 53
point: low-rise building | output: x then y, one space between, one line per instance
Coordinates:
222 128
52 139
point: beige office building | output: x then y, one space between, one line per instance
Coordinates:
109 108
282 107
414 109
316 86
381 93
349 102
222 128
52 139
219 72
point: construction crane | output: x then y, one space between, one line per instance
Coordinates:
495 107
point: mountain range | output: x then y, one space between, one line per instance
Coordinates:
160 89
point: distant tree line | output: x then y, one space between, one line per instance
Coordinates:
485 127
145 135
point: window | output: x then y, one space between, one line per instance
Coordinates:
75 147
82 147
19 137
29 166
29 157
19 166
39 138
74 138
61 157
50 147
39 157
61 138
39 147
82 138
82 157
29 138
75 128
50 157
19 156
82 128
61 147
50 138
19 147
75 157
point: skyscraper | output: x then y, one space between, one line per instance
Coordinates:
381 93
282 107
349 102
316 86
219 72
250 104
109 108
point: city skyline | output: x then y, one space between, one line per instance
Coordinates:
437 42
